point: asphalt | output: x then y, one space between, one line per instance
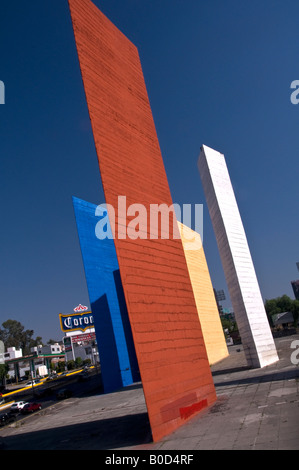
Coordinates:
256 409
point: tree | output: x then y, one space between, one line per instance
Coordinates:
295 311
230 325
13 334
280 305
78 361
71 364
60 366
3 372
52 341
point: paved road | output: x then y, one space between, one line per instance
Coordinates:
256 409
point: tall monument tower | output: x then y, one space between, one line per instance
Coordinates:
236 259
167 334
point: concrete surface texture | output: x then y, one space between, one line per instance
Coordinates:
168 339
119 365
236 259
256 409
204 295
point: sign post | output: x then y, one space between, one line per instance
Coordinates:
68 346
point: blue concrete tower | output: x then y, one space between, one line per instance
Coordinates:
119 366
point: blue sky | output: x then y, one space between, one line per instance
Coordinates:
217 73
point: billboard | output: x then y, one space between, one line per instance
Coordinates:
76 321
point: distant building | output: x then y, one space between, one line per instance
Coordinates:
295 285
12 353
219 296
48 349
284 319
37 362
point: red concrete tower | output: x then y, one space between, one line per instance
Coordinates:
173 363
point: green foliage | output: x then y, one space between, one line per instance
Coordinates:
79 361
3 371
280 305
295 311
60 367
71 365
52 341
230 325
13 334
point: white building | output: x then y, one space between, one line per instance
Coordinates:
48 349
12 353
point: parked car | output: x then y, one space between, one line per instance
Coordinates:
31 407
64 393
63 373
18 406
32 382
6 418
51 377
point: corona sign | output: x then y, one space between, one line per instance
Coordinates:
76 321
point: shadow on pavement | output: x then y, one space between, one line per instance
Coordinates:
271 377
103 434
230 371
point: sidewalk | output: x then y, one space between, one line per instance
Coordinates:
256 409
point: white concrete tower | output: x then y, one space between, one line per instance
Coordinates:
236 259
